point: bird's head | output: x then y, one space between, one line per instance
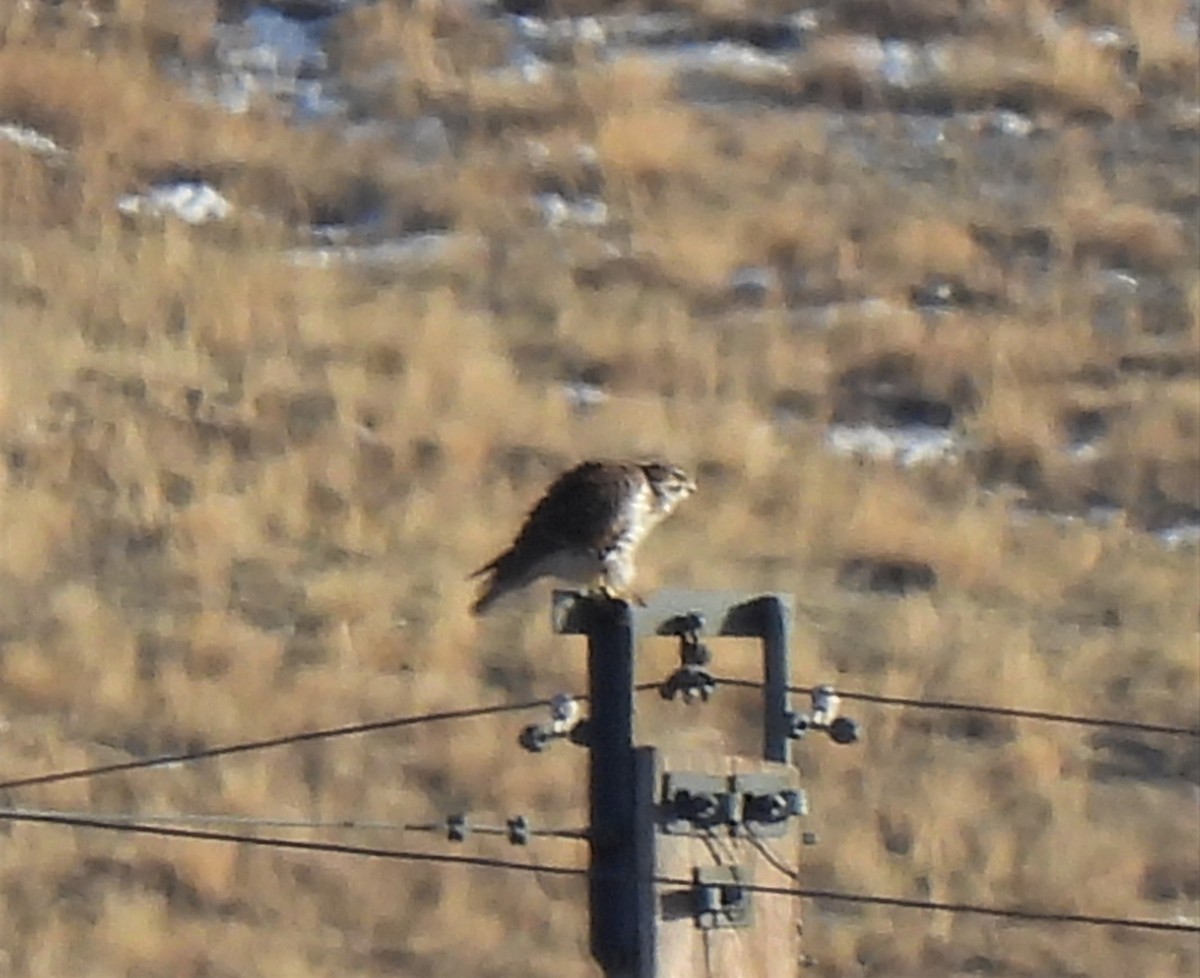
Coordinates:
671 485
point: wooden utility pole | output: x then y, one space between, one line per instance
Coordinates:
680 839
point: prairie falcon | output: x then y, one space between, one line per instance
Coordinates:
587 528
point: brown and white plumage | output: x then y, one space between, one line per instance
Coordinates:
586 528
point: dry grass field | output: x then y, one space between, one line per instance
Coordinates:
241 493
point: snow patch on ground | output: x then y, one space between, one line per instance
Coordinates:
905 446
584 397
560 211
191 201
413 249
31 140
271 54
1179 535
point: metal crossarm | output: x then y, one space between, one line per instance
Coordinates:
719 614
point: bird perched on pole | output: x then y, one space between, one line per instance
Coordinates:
587 528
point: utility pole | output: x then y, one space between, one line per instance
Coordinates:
717 825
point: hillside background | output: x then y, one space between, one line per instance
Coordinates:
911 287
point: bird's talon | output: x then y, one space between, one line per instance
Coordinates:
618 594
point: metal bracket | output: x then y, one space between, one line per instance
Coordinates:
518 830
765 804
691 678
694 801
721 897
825 716
744 804
614 626
566 723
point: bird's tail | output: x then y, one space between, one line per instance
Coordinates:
489 594
494 585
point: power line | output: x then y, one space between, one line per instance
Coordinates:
1008 913
1005 711
770 855
394 723
1021 714
1011 913
203 753
274 842
328 733
444 828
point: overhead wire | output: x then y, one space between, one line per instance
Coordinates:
276 842
1017 713
769 854
395 723
462 859
169 825
442 828
284 740
982 708
329 733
